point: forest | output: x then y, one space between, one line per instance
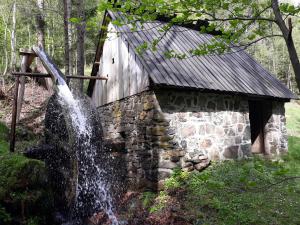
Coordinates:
152 135
23 23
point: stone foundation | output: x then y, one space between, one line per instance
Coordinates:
163 130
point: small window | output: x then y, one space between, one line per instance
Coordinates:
113 60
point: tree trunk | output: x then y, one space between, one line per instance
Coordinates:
13 38
40 24
287 35
29 36
78 84
5 50
40 27
68 38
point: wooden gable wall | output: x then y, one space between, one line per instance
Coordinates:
126 75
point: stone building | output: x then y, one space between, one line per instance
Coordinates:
183 113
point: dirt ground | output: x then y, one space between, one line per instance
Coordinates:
33 108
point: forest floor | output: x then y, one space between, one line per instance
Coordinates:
254 191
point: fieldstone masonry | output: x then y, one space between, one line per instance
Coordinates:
165 129
275 133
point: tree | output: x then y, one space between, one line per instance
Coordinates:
68 38
13 37
81 30
241 23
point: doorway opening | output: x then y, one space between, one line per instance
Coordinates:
259 114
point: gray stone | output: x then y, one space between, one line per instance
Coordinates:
174 158
183 144
167 164
187 164
188 131
231 152
202 165
206 143
246 150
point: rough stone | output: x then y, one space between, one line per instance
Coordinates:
202 165
167 164
188 131
231 152
185 127
206 143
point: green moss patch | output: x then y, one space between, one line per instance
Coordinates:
24 190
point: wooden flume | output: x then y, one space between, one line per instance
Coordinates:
27 58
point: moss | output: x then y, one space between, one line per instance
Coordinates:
23 183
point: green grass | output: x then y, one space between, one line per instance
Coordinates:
245 192
293 118
253 191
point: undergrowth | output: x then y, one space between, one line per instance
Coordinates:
24 194
253 191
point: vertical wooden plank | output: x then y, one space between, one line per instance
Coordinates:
139 74
132 73
121 61
126 70
14 117
25 64
115 67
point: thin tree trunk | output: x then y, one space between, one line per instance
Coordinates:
287 35
68 38
40 27
29 36
5 50
78 84
13 38
40 24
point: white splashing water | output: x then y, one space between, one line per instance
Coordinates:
92 175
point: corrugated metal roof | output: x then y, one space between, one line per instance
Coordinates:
235 72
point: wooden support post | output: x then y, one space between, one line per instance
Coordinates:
14 116
18 97
25 64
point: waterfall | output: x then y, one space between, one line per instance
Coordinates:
94 172
92 193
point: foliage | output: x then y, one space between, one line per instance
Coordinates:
23 183
54 28
177 179
238 23
160 203
253 191
147 198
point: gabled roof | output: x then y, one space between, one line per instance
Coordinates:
233 72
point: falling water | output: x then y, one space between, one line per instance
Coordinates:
92 186
94 174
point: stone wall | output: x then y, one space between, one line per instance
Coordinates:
275 132
166 129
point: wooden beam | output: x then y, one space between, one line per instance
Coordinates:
48 75
88 77
25 66
24 51
14 117
31 74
